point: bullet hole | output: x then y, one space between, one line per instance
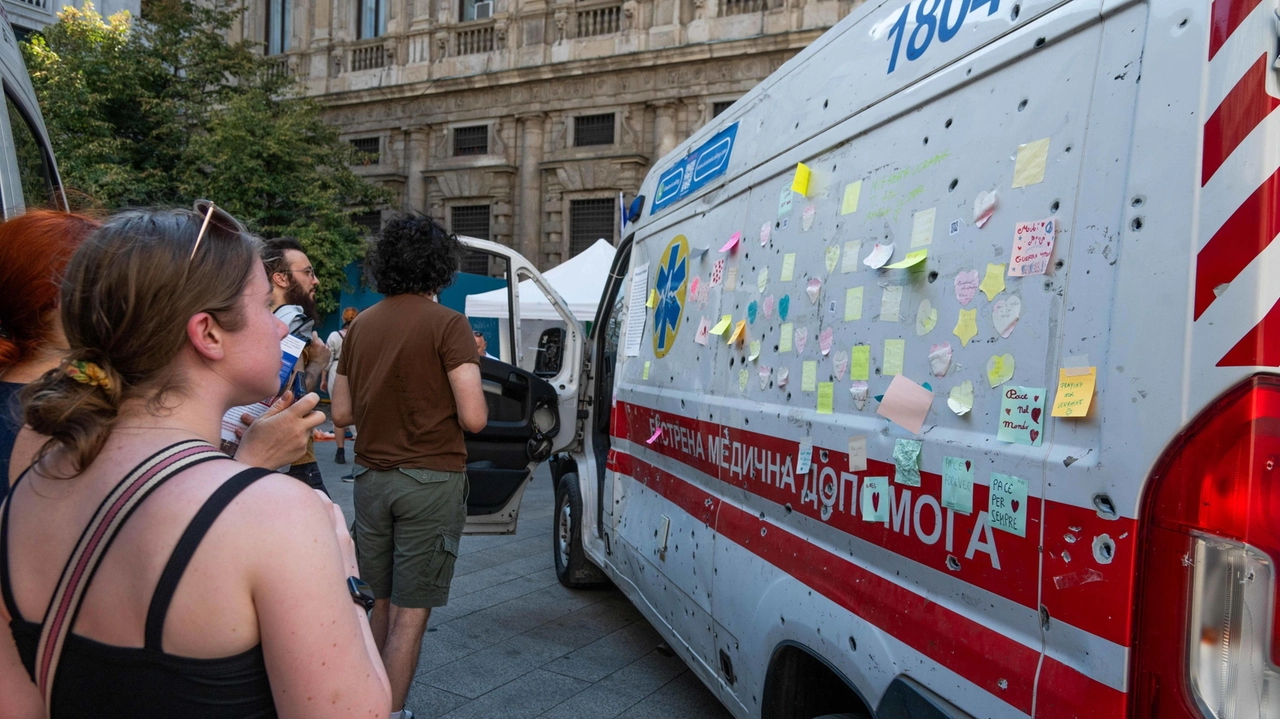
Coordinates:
788 396
731 360
775 347
926 141
952 563
764 531
1048 286
746 420
1039 42
1053 209
853 645
1137 201
968 72
797 126
1136 224
1068 148
1022 105
1183 23
824 104
788 507
823 456
1044 617
947 123
1013 16
953 184
1104 549
1106 508
1059 264
1003 684
777 225
933 275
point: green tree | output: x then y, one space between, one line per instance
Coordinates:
164 110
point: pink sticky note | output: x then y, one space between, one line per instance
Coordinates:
693 285
801 338
768 307
966 286
765 230
656 434
1032 247
824 341
733 242
717 272
905 404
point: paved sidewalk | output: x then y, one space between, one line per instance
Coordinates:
514 644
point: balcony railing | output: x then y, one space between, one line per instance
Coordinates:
41 4
473 40
598 21
742 7
369 57
278 66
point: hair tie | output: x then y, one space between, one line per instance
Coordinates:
88 373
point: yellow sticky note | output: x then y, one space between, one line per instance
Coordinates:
1075 391
788 266
646 370
722 325
853 304
860 363
800 183
809 376
763 280
966 326
653 299
851 193
893 352
832 257
742 380
826 395
1028 169
739 331
922 227
755 350
784 344
912 258
993 283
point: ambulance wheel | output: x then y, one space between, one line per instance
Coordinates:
573 569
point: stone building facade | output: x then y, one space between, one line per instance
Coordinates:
522 120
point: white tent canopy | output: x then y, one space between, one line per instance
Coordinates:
580 281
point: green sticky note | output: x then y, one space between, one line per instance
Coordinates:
853 304
809 376
957 484
788 266
742 380
722 325
1007 505
832 257
860 363
851 193
826 395
893 353
646 370
906 458
875 499
912 258
784 344
1022 415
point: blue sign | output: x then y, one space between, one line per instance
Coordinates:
700 167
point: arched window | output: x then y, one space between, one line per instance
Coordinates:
278 21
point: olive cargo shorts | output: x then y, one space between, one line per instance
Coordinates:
408 523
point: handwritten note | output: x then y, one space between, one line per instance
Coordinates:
853 304
993 283
809 376
788 267
957 484
784 342
1028 168
849 262
906 460
849 204
966 286
880 254
922 227
731 279
1032 247
1075 391
743 375
755 350
804 458
961 398
860 362
732 243
1000 369
800 182
832 257
1007 504
966 326
739 332
763 280
784 201
765 231
858 454
891 304
826 397
875 499
894 350
1022 416
906 404
704 329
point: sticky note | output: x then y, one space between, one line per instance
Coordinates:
993 283
891 304
849 261
814 289
763 280
1075 392
704 329
833 257
1000 369
840 364
926 318
654 437
732 243
693 285
742 380
858 393
961 398
722 325
1028 169
653 299
849 204
717 272
784 375
860 362
906 460
905 404
646 370
858 454
922 227
764 377
752 310
784 307
826 395
966 286
880 254
804 457
853 304
1005 313
1032 247
966 326
765 231
784 201
801 338
824 341
893 354
800 183
784 343
912 259
875 499
1022 415
806 217
957 484
1007 504
755 350
940 358
788 266
731 279
739 332
809 376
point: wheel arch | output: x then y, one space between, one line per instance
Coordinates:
801 684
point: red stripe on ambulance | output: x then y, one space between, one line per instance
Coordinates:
1225 17
1243 109
1244 236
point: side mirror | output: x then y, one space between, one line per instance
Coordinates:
550 353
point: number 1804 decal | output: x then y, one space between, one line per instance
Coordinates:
930 22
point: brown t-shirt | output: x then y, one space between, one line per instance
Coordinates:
396 357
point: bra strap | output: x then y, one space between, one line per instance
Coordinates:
93 544
186 548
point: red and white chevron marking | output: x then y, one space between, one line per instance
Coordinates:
1241 108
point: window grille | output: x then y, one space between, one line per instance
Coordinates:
472 221
471 140
718 108
593 130
590 220
368 150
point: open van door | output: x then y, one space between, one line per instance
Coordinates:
530 370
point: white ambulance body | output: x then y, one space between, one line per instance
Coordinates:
1144 584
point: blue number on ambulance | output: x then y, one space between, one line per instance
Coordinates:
930 23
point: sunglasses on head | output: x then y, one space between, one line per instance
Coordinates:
218 218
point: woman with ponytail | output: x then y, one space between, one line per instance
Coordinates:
225 591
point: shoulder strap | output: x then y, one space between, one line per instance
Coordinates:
186 548
93 544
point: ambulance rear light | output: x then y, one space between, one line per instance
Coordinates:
1205 641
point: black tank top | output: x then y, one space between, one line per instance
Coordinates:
105 681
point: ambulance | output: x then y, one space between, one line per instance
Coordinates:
936 378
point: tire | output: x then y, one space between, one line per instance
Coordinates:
573 569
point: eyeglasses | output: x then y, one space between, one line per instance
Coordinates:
219 218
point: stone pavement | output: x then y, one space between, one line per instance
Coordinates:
514 644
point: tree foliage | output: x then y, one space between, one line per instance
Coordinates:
162 111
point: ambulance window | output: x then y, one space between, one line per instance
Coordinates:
33 158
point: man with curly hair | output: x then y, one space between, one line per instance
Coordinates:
409 377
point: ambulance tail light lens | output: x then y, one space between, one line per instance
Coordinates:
1205 637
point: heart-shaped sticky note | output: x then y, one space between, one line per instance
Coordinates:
765 230
1000 369
858 391
801 338
806 217
764 377
814 289
763 280
743 376
961 398
926 318
833 257
966 286
1004 314
841 363
983 205
768 307
693 285
752 309
940 359
784 375
824 341
784 307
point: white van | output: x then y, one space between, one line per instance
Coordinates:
28 174
1040 478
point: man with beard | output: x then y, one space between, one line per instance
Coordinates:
293 300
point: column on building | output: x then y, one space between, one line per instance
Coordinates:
528 240
664 128
417 180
